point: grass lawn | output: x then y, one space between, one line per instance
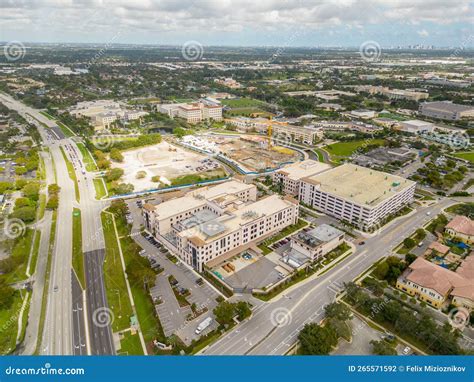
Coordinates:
195 178
466 155
86 156
242 102
114 277
19 256
50 117
346 149
72 174
77 254
66 130
9 325
397 117
100 190
34 257
247 111
320 155
130 344
144 307
41 206
44 298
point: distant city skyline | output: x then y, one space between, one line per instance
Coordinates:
297 23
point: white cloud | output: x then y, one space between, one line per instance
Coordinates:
423 33
190 16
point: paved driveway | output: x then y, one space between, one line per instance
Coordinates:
362 334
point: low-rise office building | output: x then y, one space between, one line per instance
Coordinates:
358 195
194 112
446 110
416 126
289 177
314 243
302 134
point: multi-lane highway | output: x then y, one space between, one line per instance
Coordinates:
275 325
62 336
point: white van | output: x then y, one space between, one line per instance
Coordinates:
203 325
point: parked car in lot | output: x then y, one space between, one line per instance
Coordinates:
200 281
406 350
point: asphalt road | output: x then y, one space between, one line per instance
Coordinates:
79 326
58 330
275 325
98 314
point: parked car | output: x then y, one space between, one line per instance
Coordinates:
406 350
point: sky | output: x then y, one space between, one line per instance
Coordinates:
310 23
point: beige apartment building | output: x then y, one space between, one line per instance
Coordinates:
194 112
302 134
210 222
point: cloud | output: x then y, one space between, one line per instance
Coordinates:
423 33
226 16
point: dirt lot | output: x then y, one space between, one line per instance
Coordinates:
164 161
252 152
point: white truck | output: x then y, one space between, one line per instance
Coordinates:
203 325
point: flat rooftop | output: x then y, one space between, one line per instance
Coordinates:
303 169
198 197
233 220
359 184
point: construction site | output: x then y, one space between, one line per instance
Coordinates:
252 153
164 164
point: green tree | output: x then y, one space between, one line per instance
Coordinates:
409 243
27 214
382 348
31 190
243 310
53 189
116 155
53 202
224 313
316 340
114 174
338 311
7 294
